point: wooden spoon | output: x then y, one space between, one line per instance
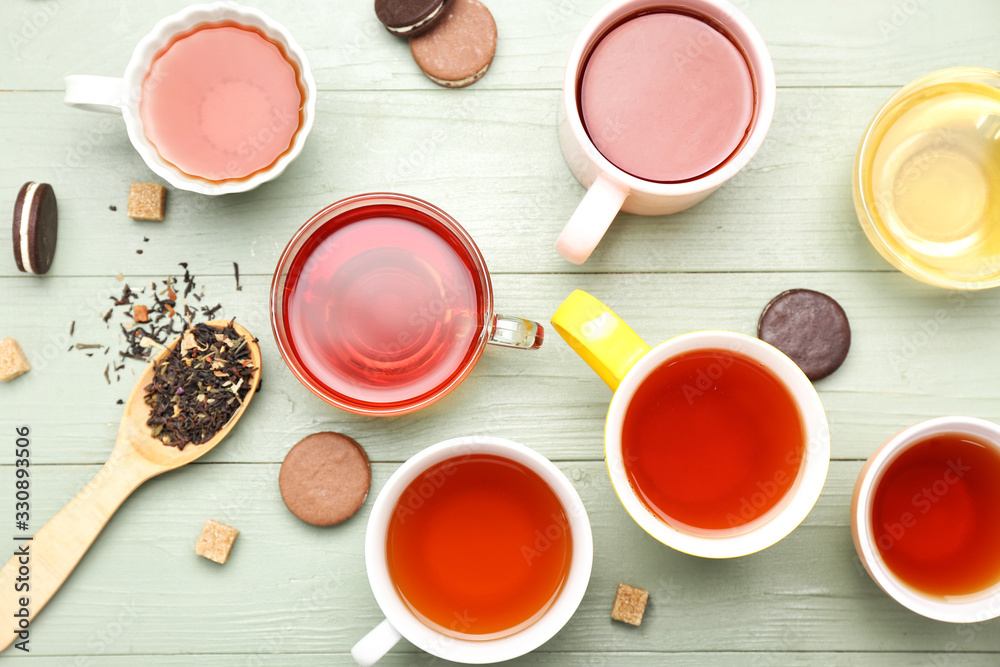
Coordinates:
137 456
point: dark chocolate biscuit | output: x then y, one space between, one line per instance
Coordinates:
409 18
808 326
36 223
460 48
325 478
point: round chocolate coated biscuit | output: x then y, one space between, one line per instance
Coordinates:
325 478
808 326
409 18
459 49
36 226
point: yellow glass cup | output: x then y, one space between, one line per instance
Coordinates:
927 179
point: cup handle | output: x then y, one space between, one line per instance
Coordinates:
600 337
94 93
516 332
375 644
590 220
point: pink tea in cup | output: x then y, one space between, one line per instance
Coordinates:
666 97
383 304
222 102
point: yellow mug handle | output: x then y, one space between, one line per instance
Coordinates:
600 337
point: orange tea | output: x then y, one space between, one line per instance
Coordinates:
478 546
712 440
936 515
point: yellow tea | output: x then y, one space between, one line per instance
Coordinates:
935 180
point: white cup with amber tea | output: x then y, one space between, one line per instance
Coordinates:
478 550
927 179
925 517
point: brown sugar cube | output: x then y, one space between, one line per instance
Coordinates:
13 363
630 604
216 541
140 313
146 200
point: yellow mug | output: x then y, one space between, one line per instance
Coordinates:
617 354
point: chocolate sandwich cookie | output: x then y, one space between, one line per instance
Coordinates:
808 326
36 223
325 478
459 49
409 18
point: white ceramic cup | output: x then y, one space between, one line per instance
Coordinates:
401 622
122 95
609 188
971 608
624 361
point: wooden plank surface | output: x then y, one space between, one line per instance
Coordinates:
489 158
293 594
824 43
917 352
301 589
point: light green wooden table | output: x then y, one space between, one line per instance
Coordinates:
297 595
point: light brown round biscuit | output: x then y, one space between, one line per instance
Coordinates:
325 478
459 49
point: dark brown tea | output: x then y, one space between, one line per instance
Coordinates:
936 515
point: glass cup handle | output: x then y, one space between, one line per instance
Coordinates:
516 332
95 93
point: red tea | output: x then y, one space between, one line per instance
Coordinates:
479 545
712 440
221 102
383 305
936 515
